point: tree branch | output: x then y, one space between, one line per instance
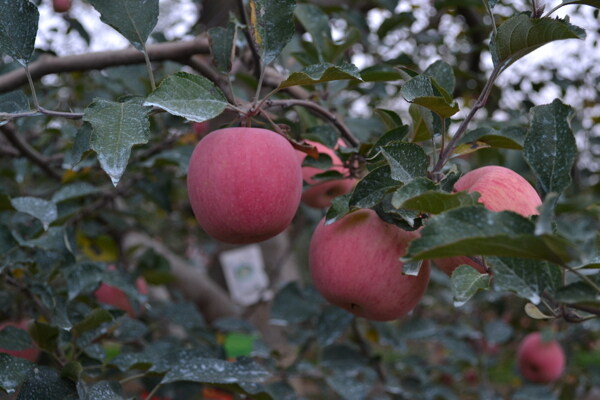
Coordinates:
26 150
46 65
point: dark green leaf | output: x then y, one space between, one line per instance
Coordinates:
422 126
352 385
14 102
400 20
423 195
474 230
272 23
316 22
407 161
510 138
13 371
466 282
425 91
323 162
80 146
395 135
105 390
380 73
45 383
293 305
213 370
392 121
134 19
324 134
579 293
190 96
370 190
222 47
443 74
41 209
13 338
520 35
332 322
45 336
529 279
117 127
18 29
339 207
320 73
94 319
550 147
73 191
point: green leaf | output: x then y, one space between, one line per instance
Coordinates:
422 126
134 19
105 390
14 102
44 335
380 73
13 371
424 196
45 383
510 138
92 321
465 282
338 209
316 22
392 121
319 73
294 305
425 91
13 338
579 293
443 74
41 209
407 161
332 323
190 96
550 147
324 134
221 41
528 279
74 191
370 190
80 146
213 370
520 35
18 29
403 19
272 23
324 162
117 127
474 230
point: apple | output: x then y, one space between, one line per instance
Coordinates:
244 184
354 263
540 361
320 194
115 297
31 353
501 189
61 5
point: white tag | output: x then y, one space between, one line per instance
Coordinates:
244 271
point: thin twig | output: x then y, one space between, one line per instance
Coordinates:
149 68
26 150
36 103
323 112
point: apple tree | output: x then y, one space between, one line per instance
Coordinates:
400 197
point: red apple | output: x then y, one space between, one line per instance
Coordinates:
115 297
244 184
31 353
540 361
501 189
320 194
354 264
61 5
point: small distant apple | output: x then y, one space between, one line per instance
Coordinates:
115 297
61 5
321 194
30 354
540 361
355 264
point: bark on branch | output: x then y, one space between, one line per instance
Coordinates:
46 65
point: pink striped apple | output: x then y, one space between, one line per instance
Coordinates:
354 263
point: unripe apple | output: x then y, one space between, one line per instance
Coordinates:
501 189
321 194
115 297
31 353
354 264
244 184
61 5
540 361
